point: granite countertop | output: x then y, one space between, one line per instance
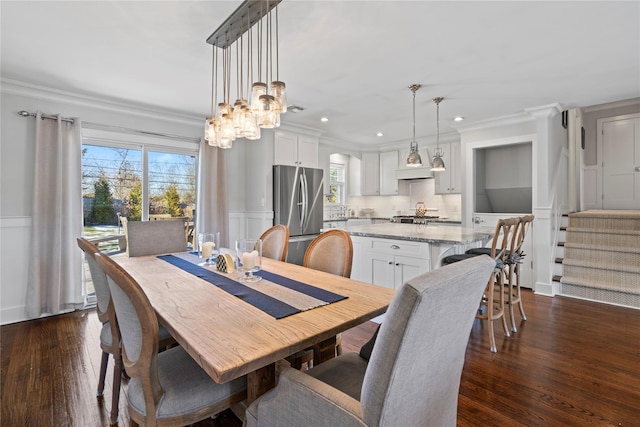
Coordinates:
429 233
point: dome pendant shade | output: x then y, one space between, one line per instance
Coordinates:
414 159
437 164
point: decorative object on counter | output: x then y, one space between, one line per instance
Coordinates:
421 210
224 263
244 120
437 164
414 159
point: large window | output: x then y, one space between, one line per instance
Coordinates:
133 176
336 184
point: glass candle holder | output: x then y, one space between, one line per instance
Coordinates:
208 247
249 259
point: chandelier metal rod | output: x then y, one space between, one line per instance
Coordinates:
239 22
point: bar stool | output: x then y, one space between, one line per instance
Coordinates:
503 237
515 260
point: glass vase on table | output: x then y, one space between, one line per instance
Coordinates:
208 247
249 259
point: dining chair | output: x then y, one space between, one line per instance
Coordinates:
109 334
154 237
331 252
275 242
413 375
167 388
109 338
494 308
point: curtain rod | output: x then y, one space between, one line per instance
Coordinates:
24 113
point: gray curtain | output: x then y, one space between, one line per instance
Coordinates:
55 274
212 213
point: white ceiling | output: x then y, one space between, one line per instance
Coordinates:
351 61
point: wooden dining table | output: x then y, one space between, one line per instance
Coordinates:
230 338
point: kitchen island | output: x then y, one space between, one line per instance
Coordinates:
390 254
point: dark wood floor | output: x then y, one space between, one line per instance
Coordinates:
573 363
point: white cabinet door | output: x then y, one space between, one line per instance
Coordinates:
406 268
370 169
295 150
449 180
382 270
307 152
360 267
388 166
285 149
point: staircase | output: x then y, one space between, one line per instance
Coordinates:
601 257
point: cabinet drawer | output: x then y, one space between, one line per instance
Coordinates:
401 247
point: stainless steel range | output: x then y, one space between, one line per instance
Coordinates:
413 219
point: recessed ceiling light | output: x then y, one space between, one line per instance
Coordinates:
324 119
458 119
380 134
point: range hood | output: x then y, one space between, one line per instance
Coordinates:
421 172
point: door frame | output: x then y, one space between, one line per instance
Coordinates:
600 152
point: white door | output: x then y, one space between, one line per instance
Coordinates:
621 164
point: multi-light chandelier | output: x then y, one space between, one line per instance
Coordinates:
253 52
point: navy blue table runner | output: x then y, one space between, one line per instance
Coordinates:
269 305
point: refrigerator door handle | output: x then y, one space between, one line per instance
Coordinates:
304 211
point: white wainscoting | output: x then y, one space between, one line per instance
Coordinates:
14 266
248 225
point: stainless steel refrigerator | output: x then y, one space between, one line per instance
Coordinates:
297 203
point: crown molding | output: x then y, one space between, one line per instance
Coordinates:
545 111
512 119
16 87
611 105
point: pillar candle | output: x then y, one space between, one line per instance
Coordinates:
249 259
207 249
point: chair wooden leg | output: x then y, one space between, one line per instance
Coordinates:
501 311
520 307
103 373
115 397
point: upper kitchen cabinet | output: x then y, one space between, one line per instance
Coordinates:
295 150
370 172
449 181
378 173
388 166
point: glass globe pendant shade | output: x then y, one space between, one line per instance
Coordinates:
267 114
258 89
210 132
251 129
414 160
279 91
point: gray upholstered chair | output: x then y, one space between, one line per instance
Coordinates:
110 335
154 237
168 388
413 375
109 338
275 242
